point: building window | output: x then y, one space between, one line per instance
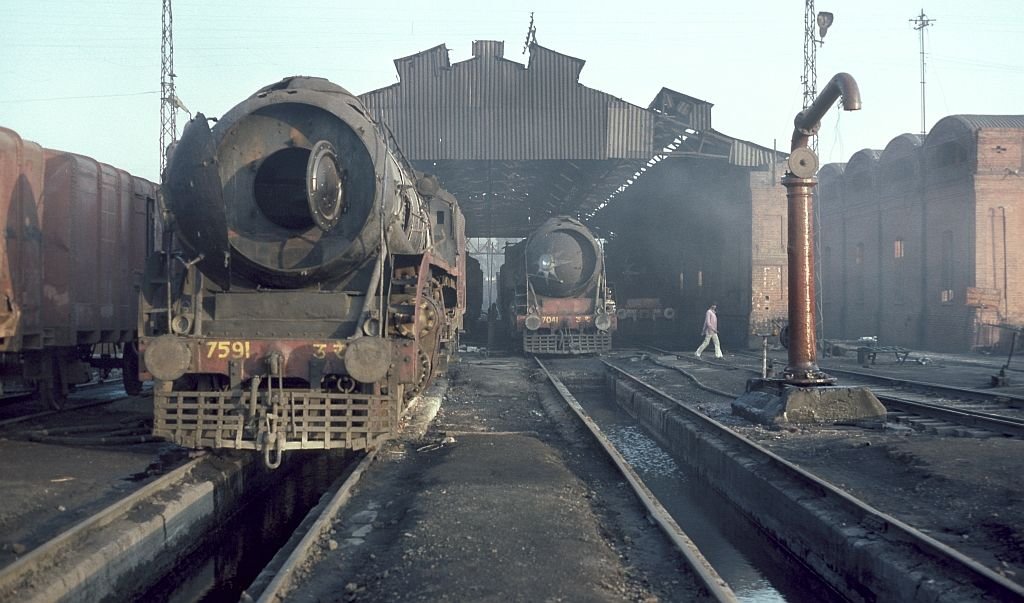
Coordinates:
899 272
826 276
946 282
858 274
946 155
700 279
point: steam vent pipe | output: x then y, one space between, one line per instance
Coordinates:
800 181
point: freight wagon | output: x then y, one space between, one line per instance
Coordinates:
77 233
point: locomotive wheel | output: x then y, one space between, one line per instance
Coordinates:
422 377
430 314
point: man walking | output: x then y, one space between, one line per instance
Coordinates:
710 331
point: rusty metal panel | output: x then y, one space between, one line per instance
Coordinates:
21 186
146 234
91 251
67 231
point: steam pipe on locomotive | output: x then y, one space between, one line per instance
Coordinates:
319 286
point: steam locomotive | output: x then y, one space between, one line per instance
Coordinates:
553 294
315 281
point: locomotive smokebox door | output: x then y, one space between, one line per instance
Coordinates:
195 196
325 186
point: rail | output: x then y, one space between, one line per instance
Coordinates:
708 577
936 558
1008 426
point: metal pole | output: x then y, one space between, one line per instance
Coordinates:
922 22
800 181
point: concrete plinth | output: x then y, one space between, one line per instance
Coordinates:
774 402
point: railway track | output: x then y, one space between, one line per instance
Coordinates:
708 577
79 575
135 547
916 407
13 410
836 534
280 574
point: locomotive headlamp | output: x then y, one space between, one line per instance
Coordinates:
325 190
167 357
546 265
181 324
533 322
603 322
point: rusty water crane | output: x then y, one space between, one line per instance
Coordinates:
806 394
800 181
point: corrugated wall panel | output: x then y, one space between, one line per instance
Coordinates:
491 108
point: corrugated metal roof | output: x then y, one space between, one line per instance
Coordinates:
831 171
748 154
488 107
979 122
686 110
965 128
518 142
905 140
864 159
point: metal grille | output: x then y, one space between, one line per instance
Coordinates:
567 343
309 420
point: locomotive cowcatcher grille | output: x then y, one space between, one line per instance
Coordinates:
566 343
299 420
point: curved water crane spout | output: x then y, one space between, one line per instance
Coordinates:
807 121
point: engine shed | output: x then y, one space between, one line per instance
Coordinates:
689 215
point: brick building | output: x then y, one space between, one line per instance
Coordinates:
921 243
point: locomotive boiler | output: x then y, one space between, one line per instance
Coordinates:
314 285
553 294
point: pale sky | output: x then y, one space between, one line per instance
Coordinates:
85 76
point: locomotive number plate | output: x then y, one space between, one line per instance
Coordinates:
551 320
321 350
242 349
222 350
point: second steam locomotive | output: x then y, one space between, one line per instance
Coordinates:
315 284
553 293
